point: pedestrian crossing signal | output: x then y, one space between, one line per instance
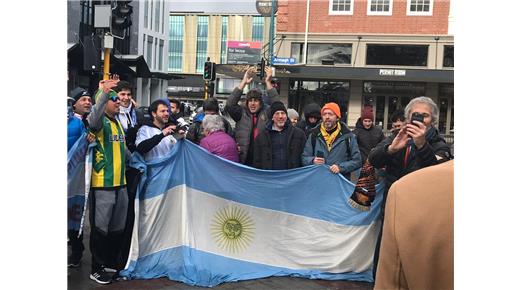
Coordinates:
209 71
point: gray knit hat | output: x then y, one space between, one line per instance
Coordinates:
292 113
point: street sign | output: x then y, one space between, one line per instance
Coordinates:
284 60
264 7
244 52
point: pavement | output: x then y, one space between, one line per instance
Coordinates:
78 279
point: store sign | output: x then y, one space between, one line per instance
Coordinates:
392 72
244 52
407 88
264 7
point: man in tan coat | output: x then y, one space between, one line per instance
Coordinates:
417 244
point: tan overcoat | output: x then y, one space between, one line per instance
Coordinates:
417 244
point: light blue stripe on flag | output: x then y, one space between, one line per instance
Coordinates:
208 270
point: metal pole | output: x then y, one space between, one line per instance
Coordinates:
271 34
306 32
206 90
106 64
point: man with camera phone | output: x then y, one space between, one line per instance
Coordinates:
416 145
157 137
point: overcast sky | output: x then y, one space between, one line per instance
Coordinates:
217 6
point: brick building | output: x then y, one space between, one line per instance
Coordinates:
378 53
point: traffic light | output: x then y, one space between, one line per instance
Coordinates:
121 18
260 68
209 71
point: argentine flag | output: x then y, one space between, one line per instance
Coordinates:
204 220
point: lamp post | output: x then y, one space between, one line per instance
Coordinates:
271 33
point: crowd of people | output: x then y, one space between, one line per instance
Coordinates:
266 135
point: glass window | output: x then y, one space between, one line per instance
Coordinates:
162 19
258 28
408 55
340 7
317 52
146 13
160 59
448 60
223 40
202 42
149 50
175 43
226 86
419 7
379 7
380 111
157 14
151 14
297 51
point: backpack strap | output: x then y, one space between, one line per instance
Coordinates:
313 141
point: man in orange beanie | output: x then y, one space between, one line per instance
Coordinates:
332 143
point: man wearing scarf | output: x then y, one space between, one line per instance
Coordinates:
332 143
416 145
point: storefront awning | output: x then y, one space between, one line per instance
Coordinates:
346 73
133 63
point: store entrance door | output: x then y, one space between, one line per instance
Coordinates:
384 106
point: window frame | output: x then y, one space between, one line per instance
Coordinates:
332 12
415 13
380 13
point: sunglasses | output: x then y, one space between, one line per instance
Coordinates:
114 98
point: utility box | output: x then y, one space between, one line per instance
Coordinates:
102 14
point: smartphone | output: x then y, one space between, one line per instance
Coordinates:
320 154
417 117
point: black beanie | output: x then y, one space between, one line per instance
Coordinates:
277 106
77 93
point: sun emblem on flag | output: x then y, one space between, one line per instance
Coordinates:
232 229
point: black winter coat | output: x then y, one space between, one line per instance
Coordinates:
435 151
263 158
367 139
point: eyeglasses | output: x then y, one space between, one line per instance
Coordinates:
114 98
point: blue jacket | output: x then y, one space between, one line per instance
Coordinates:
75 128
338 154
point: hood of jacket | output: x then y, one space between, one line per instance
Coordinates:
311 109
359 125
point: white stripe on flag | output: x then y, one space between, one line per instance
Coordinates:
252 234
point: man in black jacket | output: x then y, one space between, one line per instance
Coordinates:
280 145
368 135
251 119
417 145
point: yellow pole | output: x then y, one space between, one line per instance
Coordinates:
206 90
106 64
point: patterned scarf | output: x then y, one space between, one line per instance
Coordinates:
329 138
365 190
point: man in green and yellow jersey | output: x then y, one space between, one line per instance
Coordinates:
109 198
